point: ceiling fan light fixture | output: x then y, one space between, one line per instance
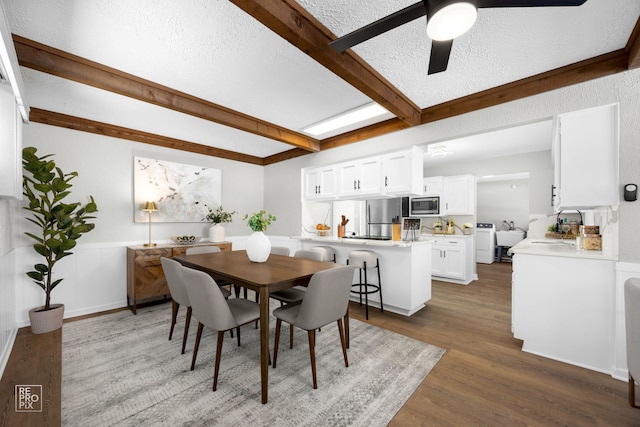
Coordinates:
447 20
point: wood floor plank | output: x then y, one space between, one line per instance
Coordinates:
34 360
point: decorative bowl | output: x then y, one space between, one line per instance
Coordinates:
185 240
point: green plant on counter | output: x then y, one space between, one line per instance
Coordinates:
59 224
259 221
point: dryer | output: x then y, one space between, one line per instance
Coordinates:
485 242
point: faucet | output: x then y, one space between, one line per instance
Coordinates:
559 222
510 225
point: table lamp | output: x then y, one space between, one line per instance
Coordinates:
150 207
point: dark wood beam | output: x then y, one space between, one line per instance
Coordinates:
37 115
368 132
286 155
633 47
47 59
590 69
289 20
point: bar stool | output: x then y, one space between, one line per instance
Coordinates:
328 253
363 260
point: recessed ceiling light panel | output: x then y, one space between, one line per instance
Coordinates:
348 118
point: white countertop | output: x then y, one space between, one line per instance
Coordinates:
365 242
558 248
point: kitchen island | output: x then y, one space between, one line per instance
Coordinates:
405 269
564 302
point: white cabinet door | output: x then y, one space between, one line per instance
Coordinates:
432 186
402 172
437 260
370 176
360 178
320 183
459 193
588 158
454 262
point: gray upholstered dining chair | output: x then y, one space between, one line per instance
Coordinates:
210 249
280 250
326 301
207 249
296 294
632 323
212 310
175 280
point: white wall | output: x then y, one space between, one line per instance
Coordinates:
500 201
105 168
95 276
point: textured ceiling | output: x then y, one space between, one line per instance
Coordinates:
213 50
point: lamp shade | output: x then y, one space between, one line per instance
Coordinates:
449 19
150 207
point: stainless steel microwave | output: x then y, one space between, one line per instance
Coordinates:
423 206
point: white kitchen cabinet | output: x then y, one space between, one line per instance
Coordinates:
360 178
459 194
320 183
564 308
402 172
586 158
432 186
452 259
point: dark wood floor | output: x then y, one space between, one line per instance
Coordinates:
483 379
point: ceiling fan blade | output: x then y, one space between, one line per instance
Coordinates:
378 27
439 59
527 3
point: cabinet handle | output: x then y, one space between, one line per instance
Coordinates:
358 184
386 181
319 190
354 185
553 194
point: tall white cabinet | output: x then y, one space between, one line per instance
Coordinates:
585 157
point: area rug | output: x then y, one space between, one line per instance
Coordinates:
120 369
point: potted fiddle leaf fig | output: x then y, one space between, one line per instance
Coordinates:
259 245
59 225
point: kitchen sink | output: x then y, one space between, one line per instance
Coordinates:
509 238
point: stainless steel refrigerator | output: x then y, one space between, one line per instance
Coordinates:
380 214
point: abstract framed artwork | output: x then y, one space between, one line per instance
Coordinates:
175 187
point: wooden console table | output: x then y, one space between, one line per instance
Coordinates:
145 278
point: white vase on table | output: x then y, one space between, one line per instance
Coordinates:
216 233
258 247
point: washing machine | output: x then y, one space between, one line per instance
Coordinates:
485 242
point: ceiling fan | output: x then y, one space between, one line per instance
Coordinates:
446 20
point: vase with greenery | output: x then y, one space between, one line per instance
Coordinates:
217 218
258 245
59 225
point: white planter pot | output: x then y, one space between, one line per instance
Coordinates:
46 321
216 233
258 247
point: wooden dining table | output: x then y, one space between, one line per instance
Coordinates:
277 273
